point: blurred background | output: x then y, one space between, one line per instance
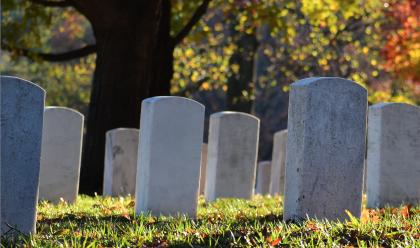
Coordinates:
103 57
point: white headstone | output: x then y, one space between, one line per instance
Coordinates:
22 110
325 149
120 162
203 168
60 154
232 155
278 163
263 177
393 160
168 169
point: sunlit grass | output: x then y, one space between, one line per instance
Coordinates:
110 222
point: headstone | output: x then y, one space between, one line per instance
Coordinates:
120 162
232 155
263 177
203 168
168 168
22 110
393 157
60 154
325 149
278 163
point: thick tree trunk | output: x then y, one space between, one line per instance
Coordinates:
163 58
240 87
122 79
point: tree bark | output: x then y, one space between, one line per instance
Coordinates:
163 58
241 82
122 79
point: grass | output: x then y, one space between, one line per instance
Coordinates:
110 222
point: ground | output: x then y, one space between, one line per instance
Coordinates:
110 222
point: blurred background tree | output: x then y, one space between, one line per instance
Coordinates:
241 55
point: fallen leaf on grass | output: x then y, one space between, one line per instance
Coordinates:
370 216
274 242
312 226
126 215
405 211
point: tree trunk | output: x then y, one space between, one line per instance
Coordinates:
163 56
122 79
240 87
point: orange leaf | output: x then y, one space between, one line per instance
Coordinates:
312 226
405 211
127 216
275 242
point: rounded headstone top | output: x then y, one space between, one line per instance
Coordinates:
123 129
170 99
22 82
230 114
264 163
394 105
63 110
316 81
281 132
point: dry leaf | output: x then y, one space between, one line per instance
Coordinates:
405 211
274 242
126 215
312 226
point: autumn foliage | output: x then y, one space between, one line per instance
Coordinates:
402 48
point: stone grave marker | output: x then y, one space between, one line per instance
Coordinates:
232 155
120 162
278 163
60 154
325 149
393 155
22 110
203 168
263 178
168 168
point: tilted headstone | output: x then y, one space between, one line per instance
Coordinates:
168 168
278 163
232 155
263 177
22 110
60 154
120 162
325 149
393 155
203 168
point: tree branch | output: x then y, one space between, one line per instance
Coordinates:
53 57
199 12
46 3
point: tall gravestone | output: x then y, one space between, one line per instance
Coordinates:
393 155
325 149
263 177
60 154
203 168
232 155
22 110
168 169
120 162
278 163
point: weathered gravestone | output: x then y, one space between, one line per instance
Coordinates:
120 162
393 158
22 109
60 154
203 168
232 155
325 149
278 163
168 169
263 177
